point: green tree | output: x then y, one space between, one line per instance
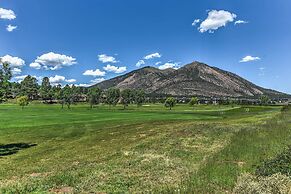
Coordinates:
193 101
112 96
57 94
125 97
67 96
15 89
29 87
170 102
94 96
264 100
22 101
5 76
75 94
46 89
139 97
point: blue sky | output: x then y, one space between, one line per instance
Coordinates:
83 42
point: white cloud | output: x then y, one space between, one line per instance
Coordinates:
169 65
35 65
196 21
106 59
70 80
139 63
153 55
249 58
83 85
7 14
13 61
95 73
10 28
16 71
57 79
215 20
240 22
97 80
158 63
112 68
54 61
92 82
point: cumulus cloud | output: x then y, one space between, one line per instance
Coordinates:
249 58
53 61
112 68
240 22
35 65
7 14
139 63
57 79
196 21
92 82
153 55
215 20
70 80
10 28
13 61
95 73
169 65
83 85
16 71
106 59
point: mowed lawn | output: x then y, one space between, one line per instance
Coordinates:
141 149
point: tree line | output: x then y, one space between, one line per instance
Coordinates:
29 90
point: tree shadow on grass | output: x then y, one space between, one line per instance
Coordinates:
13 148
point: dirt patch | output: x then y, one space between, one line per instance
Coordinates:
62 190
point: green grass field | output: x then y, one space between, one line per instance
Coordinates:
203 149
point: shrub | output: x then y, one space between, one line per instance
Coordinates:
170 102
22 101
250 184
280 164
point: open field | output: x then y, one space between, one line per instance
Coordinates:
107 149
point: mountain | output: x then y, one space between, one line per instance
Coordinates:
195 79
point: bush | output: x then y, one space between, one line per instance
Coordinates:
280 164
286 108
250 184
22 101
170 102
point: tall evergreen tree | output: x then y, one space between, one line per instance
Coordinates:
29 87
5 76
46 89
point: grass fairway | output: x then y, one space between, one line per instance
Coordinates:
46 149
